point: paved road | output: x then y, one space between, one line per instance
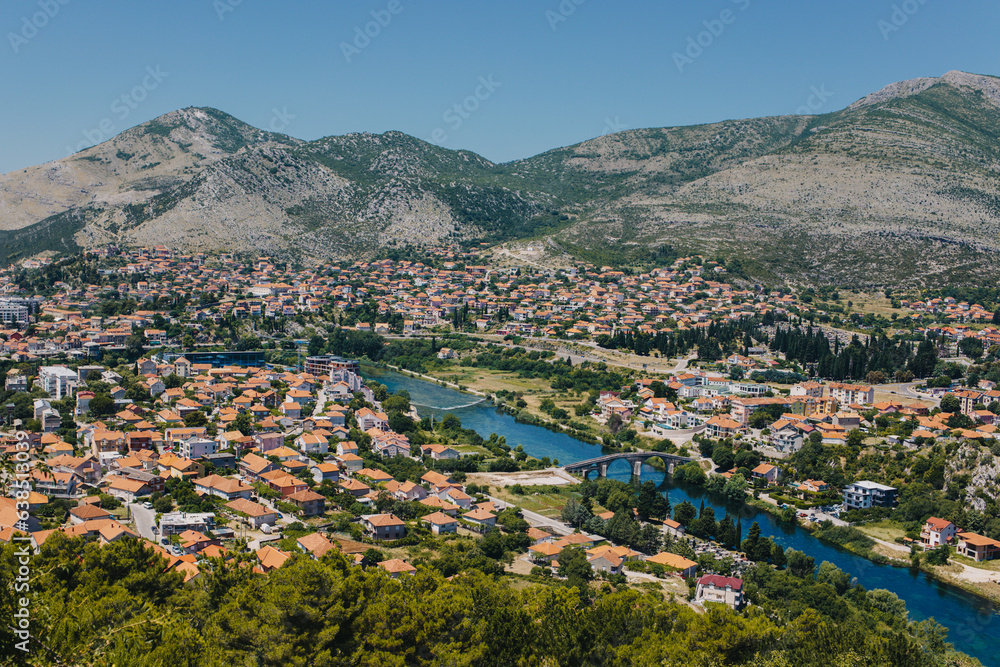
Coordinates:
320 402
554 525
906 389
538 520
144 521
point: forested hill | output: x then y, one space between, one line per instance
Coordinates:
115 605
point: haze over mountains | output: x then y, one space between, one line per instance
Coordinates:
901 187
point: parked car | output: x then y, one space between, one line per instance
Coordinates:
148 505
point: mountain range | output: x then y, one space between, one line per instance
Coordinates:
902 187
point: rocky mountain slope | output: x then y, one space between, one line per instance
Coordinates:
903 186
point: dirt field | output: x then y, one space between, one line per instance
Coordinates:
876 304
553 476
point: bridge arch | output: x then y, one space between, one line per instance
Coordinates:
665 461
618 465
601 464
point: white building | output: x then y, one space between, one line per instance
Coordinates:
865 494
16 382
57 381
195 447
13 312
178 522
725 590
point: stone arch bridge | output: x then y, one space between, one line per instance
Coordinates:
601 463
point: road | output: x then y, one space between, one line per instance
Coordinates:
320 402
538 520
144 521
969 573
906 389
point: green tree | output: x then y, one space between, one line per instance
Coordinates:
828 573
685 513
799 564
751 545
316 345
723 456
778 558
705 526
726 534
735 489
195 419
243 424
950 404
101 406
573 565
855 438
647 499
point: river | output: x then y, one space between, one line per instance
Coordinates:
973 623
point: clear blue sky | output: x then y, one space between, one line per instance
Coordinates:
566 71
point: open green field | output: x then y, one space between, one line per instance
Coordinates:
886 529
546 504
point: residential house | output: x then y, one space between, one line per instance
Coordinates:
406 490
441 523
786 436
722 427
309 502
351 463
177 522
673 528
197 447
251 513
937 532
87 512
314 544
271 559
439 452
481 517
283 483
396 568
367 420
128 490
355 487
312 443
223 487
383 526
846 394
675 564
326 471
252 467
977 547
767 472
725 590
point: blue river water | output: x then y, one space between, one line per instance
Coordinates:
973 623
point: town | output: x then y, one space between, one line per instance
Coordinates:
218 412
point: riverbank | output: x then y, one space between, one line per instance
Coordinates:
431 378
976 580
925 595
531 414
980 582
